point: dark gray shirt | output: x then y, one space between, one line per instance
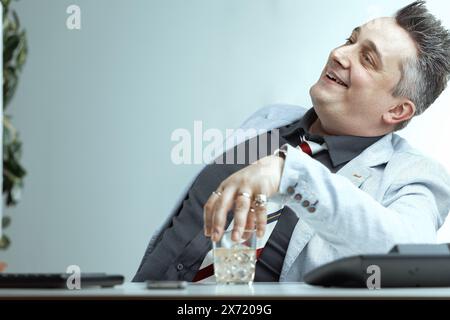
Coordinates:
182 247
341 149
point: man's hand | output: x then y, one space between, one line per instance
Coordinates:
238 191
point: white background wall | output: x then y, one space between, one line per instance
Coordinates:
96 109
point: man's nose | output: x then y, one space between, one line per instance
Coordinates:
341 56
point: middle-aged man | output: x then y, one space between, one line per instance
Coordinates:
348 184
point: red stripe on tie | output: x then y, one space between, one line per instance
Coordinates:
306 148
208 271
204 273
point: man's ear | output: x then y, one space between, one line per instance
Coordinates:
399 113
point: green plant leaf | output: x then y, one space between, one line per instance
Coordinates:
5 4
10 46
4 242
15 51
16 19
6 221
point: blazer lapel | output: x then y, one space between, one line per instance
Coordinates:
358 169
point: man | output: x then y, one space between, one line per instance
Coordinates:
361 188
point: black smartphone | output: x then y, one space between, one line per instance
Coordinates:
151 284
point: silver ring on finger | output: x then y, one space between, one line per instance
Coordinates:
260 200
217 193
245 195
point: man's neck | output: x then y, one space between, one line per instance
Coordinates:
317 129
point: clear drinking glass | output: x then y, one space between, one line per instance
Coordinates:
234 262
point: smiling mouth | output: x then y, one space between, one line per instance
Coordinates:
334 78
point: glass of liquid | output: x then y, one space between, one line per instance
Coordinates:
234 261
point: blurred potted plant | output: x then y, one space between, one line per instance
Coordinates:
14 57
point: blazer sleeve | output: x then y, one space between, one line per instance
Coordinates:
411 210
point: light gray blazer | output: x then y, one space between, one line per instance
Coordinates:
389 194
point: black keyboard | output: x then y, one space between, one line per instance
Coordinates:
56 280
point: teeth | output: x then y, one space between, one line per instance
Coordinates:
337 81
330 76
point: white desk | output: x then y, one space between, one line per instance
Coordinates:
208 291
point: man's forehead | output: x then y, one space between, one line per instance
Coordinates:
380 23
390 39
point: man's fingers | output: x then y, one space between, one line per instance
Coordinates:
261 221
251 220
208 211
223 204
250 224
241 208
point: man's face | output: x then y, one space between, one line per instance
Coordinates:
355 87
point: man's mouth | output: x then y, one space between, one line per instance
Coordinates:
333 77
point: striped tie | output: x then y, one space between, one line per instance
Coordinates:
311 147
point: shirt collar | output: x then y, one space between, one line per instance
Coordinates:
340 148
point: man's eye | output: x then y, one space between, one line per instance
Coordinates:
367 58
349 41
